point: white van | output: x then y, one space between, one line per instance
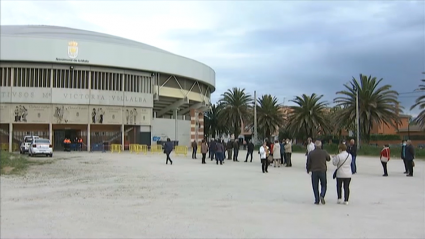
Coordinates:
26 142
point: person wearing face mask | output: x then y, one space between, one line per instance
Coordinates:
403 156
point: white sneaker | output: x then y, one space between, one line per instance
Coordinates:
346 203
339 201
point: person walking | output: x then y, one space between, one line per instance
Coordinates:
194 149
219 149
264 153
229 148
282 153
410 156
250 151
310 146
288 153
204 150
352 149
212 149
236 150
403 156
168 148
316 164
385 157
276 154
343 173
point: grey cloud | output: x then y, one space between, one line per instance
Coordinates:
320 53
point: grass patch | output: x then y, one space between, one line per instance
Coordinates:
16 163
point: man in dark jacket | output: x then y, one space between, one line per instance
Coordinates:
229 147
235 150
249 151
168 148
219 149
194 149
410 155
352 149
403 156
316 164
212 149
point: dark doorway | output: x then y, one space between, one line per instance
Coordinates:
60 135
144 138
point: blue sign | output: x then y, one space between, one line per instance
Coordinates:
156 138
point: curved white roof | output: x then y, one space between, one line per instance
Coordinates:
41 43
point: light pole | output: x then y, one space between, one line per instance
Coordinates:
254 138
357 116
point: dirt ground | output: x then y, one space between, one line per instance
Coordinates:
104 195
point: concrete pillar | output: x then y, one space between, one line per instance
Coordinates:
176 121
50 133
88 138
122 136
10 137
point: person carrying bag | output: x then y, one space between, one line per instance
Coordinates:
342 173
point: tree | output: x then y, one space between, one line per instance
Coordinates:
269 116
336 126
308 116
420 103
377 104
235 108
213 125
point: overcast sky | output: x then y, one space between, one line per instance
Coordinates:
284 48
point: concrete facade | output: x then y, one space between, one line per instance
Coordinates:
59 82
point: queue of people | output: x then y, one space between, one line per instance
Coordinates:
279 154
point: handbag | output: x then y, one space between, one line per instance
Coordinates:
270 158
413 163
336 170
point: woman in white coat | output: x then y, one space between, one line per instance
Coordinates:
264 153
343 173
276 153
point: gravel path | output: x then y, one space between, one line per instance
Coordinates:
104 195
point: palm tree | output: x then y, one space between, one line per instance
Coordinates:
377 104
308 116
236 108
269 116
420 103
213 125
336 124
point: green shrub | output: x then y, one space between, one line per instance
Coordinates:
383 137
366 150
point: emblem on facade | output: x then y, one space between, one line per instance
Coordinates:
39 115
72 49
113 117
78 114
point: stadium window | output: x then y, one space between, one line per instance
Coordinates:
3 79
16 76
86 79
119 79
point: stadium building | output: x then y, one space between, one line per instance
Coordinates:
58 82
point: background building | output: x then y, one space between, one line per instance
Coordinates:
59 82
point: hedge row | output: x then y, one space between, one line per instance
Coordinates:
366 150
